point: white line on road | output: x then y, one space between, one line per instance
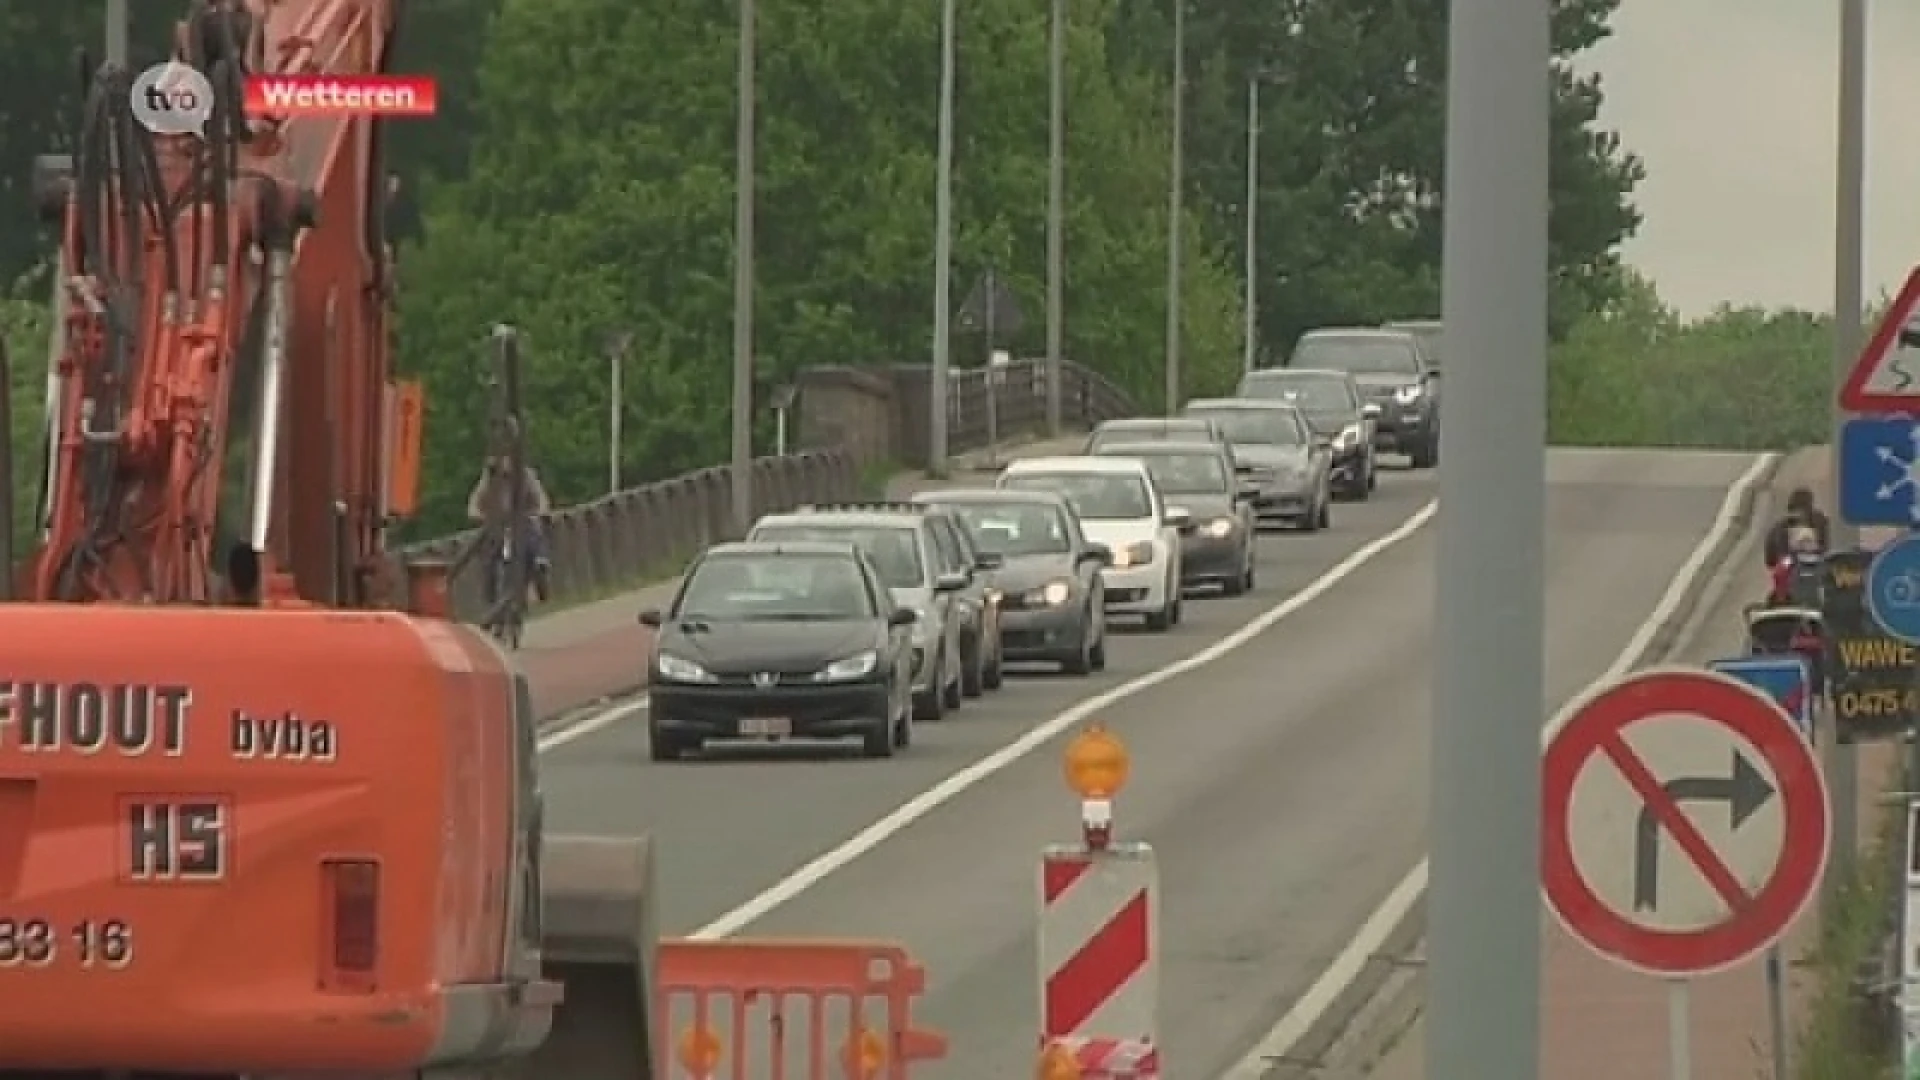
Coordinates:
1373 934
806 877
591 723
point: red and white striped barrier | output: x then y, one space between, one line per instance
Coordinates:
1099 960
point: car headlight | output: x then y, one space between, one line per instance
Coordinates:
1132 555
1348 438
675 669
1407 395
1219 528
1052 594
857 666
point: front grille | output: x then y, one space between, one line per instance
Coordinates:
780 678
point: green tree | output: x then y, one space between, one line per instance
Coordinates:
1353 153
604 202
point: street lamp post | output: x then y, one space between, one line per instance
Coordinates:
1251 331
1175 203
743 275
617 347
943 248
1056 208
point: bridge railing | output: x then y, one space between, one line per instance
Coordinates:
851 422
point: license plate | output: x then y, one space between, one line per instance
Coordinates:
766 727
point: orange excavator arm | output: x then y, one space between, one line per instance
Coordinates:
225 309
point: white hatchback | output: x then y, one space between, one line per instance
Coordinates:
1120 509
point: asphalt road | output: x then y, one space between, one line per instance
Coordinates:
1283 784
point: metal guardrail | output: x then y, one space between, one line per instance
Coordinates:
621 539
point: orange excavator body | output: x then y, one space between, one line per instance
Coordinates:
251 858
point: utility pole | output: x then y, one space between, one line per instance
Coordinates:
1056 209
1842 762
1483 904
117 20
943 249
1176 178
1251 304
743 278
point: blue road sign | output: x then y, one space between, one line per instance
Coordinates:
1785 679
1879 471
1893 589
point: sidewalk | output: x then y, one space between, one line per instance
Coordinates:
1601 1022
582 655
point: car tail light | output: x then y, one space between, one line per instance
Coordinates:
350 953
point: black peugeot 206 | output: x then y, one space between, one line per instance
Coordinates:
771 641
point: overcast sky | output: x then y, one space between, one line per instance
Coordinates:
1732 104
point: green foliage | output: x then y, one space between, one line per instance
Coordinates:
1837 1041
579 183
1635 374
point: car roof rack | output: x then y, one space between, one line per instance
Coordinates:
885 505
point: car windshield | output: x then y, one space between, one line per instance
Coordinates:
756 586
1362 356
1187 474
1318 393
895 550
1094 496
1016 528
1149 433
1271 426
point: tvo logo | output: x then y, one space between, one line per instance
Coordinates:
172 99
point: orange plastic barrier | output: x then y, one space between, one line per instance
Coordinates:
791 1010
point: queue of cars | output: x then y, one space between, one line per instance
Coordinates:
863 620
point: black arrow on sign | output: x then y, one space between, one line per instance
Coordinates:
1744 791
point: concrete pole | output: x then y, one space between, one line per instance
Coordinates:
1176 184
1842 763
1056 209
1483 907
943 248
117 21
743 278
1251 332
616 405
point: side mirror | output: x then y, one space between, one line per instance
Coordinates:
1099 554
1247 493
905 616
652 617
1433 373
1370 410
1322 442
952 581
1180 518
1242 468
990 560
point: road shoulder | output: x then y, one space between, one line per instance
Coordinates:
1376 1028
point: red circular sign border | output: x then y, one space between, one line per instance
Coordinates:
1755 718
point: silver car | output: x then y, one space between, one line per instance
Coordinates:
903 548
1290 469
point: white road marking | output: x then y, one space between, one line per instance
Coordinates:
806 877
1373 934
591 723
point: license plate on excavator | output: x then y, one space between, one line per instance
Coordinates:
766 727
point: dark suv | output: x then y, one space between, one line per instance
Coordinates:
1395 373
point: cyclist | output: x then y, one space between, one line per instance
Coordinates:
491 500
1800 511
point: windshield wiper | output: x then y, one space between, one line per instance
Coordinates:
802 616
